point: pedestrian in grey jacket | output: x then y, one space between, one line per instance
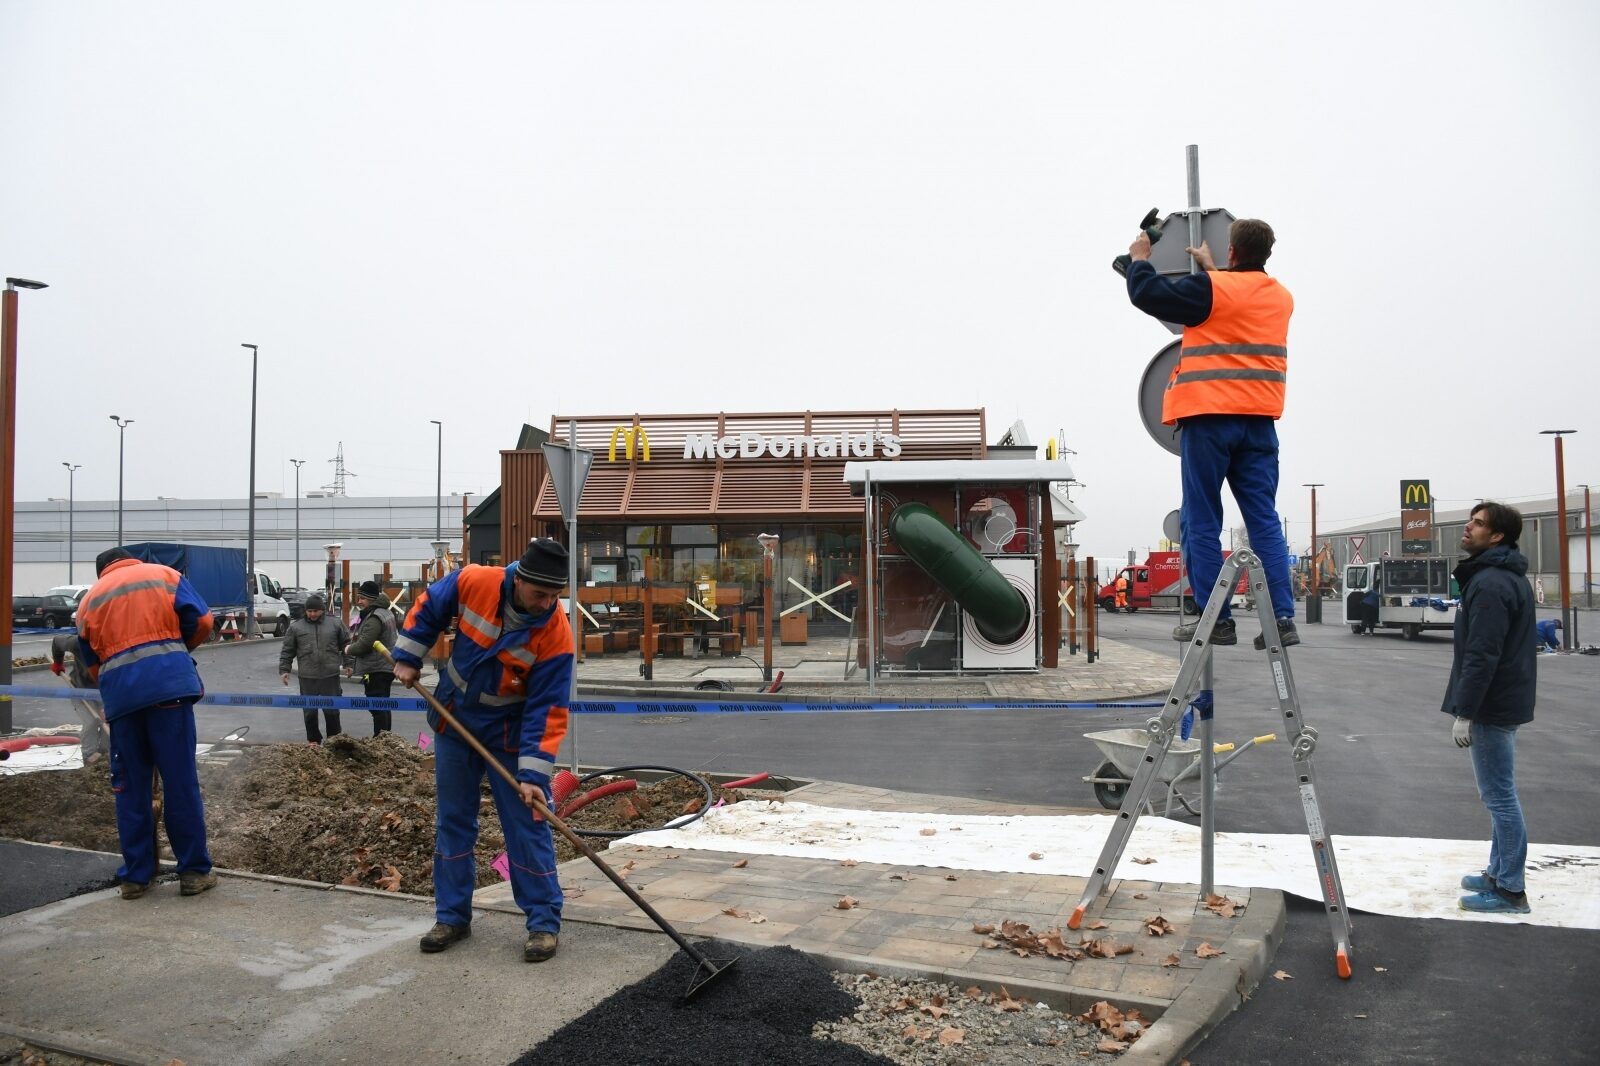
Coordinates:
378 623
317 641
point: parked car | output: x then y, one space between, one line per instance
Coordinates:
296 599
26 610
58 611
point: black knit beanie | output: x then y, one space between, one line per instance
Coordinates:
544 563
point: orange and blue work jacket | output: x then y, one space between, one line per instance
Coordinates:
136 627
1234 359
508 678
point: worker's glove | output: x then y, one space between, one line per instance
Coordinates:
1462 732
58 669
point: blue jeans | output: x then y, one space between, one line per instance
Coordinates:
1493 763
530 847
1243 451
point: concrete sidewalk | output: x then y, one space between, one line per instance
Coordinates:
266 970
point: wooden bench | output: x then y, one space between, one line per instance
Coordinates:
673 642
728 643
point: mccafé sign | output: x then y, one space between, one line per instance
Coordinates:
751 445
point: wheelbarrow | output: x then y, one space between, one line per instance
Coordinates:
1124 749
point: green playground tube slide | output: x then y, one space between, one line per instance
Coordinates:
998 609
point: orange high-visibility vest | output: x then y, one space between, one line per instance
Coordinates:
1237 360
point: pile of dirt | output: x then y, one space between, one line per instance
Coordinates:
355 810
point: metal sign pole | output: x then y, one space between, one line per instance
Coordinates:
1208 781
869 556
571 516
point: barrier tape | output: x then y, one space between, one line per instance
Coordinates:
406 703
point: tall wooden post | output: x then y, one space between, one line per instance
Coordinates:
1091 612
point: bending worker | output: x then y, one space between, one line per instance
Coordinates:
136 628
507 681
1225 393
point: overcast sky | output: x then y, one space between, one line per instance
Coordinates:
492 213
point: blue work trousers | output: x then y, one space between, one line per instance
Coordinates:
143 742
530 847
1494 749
1243 451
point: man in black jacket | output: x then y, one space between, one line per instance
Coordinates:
1491 693
317 641
378 624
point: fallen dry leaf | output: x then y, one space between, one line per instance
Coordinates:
901 877
1036 855
952 1036
929 832
390 881
1112 1045
974 992
1222 905
903 1003
1005 1004
934 1011
741 864
1170 960
1097 924
991 944
693 806
1144 862
982 928
1157 926
625 867
949 877
845 903
1107 948
1141 895
911 1032
848 862
1206 951
1283 975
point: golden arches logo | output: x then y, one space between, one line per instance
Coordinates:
1415 494
630 436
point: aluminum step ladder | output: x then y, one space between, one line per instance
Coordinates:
1302 745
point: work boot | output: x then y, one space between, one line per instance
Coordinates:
1288 635
540 946
1498 901
442 936
192 884
1225 632
1478 883
134 889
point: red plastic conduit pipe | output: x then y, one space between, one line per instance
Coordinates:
746 782
579 802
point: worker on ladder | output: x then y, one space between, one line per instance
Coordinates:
1225 393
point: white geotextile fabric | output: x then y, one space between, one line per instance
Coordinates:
56 757
1410 877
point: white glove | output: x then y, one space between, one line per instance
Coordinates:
1462 732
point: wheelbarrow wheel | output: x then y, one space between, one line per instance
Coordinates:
1109 793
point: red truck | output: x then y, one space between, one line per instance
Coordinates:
1159 582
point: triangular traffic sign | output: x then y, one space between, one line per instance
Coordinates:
566 476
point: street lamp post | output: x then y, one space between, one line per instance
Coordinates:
1561 541
1314 596
122 424
8 475
1588 550
298 463
250 542
71 470
438 485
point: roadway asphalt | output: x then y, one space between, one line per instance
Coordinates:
1385 766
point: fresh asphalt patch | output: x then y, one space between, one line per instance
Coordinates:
1423 991
760 1011
36 875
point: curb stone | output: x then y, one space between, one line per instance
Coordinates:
1220 989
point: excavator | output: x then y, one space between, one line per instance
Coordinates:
1322 565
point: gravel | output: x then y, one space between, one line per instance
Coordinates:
905 1021
778 1007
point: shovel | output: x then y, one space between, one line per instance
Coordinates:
706 970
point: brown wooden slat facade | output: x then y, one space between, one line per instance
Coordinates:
670 488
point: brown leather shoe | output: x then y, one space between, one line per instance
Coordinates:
442 936
134 889
192 884
540 946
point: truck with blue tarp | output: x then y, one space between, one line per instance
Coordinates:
220 577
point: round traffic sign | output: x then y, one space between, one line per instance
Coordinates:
1152 389
1172 527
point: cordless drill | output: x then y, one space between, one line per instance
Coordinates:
1152 229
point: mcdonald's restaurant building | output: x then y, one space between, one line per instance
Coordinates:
683 498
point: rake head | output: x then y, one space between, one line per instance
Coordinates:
707 971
